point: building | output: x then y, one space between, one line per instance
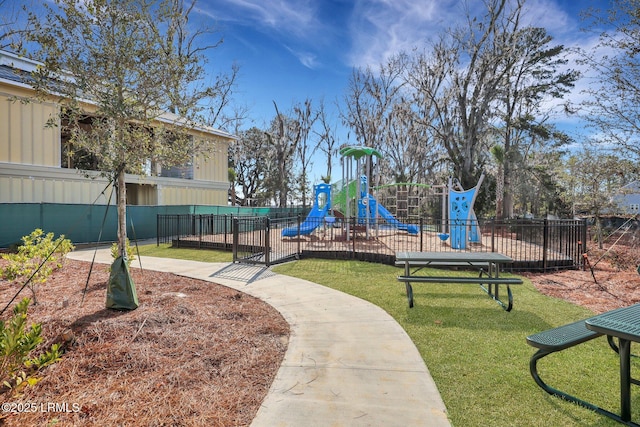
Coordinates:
36 168
627 200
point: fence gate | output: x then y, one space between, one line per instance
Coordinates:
257 240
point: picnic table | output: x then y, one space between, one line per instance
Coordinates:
488 265
623 324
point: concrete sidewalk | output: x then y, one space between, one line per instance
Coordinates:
348 362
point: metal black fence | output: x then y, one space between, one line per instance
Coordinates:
534 245
189 230
256 241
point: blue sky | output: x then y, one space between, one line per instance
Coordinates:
290 50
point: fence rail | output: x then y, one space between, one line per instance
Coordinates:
535 245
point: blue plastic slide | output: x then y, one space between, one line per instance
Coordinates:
384 213
315 217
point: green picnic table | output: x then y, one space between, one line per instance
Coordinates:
487 263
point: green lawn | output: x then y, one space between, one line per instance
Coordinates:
475 351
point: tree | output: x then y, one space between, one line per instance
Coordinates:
12 28
458 82
115 68
326 139
429 76
221 95
283 138
249 160
590 182
370 101
612 106
479 48
306 118
532 79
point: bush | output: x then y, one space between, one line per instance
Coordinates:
37 257
130 252
17 342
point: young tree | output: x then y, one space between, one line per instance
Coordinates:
117 67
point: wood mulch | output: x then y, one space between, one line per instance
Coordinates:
612 281
193 353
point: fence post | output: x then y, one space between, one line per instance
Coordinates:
421 235
353 238
545 243
584 239
178 229
267 241
298 246
234 229
225 229
493 235
157 230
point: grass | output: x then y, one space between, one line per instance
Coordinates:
166 251
475 351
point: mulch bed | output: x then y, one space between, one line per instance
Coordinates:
193 353
611 282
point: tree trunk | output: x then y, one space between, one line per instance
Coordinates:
507 193
500 194
121 196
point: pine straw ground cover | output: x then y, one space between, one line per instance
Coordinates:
193 354
614 282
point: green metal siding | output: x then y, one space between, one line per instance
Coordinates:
83 223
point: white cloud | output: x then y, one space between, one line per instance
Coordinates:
307 59
382 28
293 24
293 18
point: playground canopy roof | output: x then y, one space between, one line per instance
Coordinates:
359 151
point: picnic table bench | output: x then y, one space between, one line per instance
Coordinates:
622 323
486 263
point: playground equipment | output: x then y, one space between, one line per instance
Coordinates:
368 209
462 218
351 199
317 215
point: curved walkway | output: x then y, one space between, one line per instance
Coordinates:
348 362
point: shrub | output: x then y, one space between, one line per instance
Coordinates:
130 252
17 342
37 257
